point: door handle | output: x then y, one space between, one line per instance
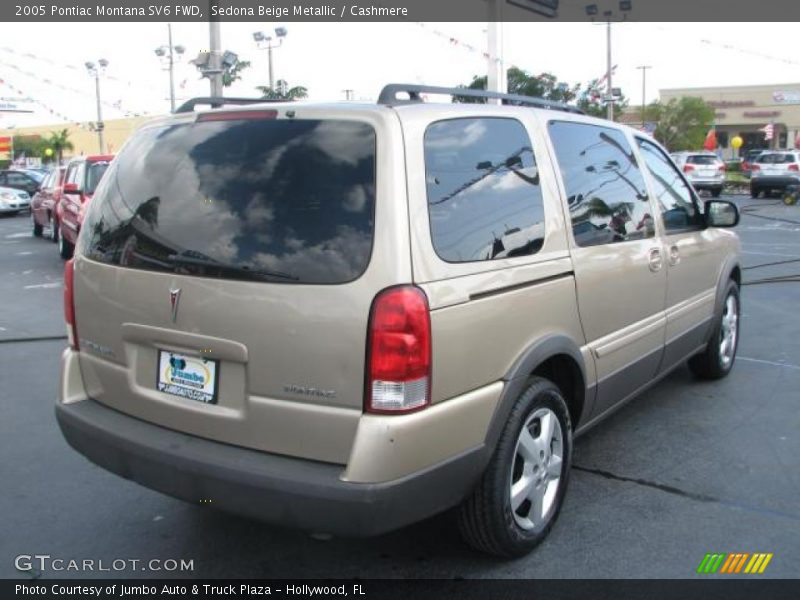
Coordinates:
655 259
674 255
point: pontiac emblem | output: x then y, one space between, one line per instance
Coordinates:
174 298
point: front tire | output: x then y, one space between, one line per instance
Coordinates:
53 229
519 497
716 361
65 249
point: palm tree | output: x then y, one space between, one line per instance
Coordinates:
59 141
282 91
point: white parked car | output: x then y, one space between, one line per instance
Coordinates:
704 170
13 200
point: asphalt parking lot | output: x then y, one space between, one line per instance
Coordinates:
686 469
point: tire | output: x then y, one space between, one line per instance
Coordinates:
754 191
716 192
716 361
53 229
37 229
485 518
65 249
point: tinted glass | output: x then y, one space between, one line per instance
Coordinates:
702 159
37 176
672 193
484 197
94 172
288 201
605 190
18 179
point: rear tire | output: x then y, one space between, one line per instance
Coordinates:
65 249
716 361
37 229
716 192
530 464
754 191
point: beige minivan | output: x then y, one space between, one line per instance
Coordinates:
349 317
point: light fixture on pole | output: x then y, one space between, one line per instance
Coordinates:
167 55
265 41
95 70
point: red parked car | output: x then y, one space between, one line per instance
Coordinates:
81 179
44 204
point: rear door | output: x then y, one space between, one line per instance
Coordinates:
618 260
226 270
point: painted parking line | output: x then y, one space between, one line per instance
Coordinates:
38 286
771 254
18 235
768 362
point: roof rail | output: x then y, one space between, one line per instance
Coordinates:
216 102
388 96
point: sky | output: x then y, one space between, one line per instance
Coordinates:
45 61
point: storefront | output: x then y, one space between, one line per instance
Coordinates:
747 110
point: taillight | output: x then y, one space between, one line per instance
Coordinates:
688 168
722 168
794 167
399 352
69 304
755 168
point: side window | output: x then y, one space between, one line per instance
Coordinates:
605 189
484 197
18 179
72 174
674 197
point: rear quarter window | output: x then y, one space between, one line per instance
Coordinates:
278 200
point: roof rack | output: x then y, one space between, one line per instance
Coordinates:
388 96
216 102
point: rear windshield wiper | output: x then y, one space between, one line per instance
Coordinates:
183 259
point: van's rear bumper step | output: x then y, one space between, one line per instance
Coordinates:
285 491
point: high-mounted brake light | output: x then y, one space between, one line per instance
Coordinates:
69 303
237 115
399 352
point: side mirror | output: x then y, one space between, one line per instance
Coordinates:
71 188
721 213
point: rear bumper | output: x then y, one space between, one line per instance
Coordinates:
284 491
774 182
287 491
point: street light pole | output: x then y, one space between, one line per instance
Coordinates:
171 70
100 124
609 88
215 59
269 55
264 40
644 89
94 70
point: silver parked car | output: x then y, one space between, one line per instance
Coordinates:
774 172
13 200
704 170
350 317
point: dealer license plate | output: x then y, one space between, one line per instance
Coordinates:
188 376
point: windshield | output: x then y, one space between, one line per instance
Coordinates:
288 201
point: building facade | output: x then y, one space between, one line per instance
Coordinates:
746 110
84 139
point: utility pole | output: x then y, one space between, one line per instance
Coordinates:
496 72
215 59
644 89
94 70
100 124
171 70
609 89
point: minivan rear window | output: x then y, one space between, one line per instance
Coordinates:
277 200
